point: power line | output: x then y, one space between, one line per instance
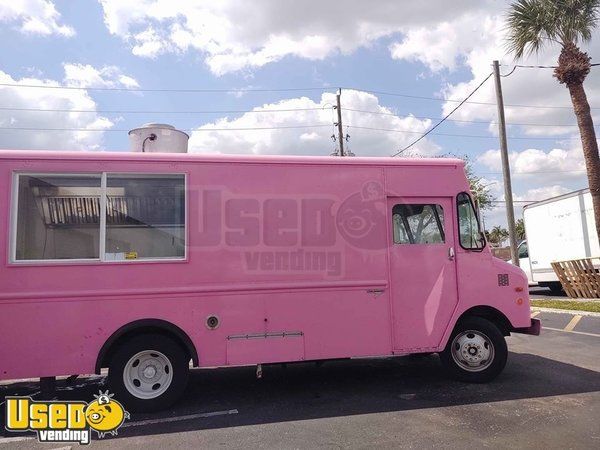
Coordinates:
284 127
509 73
445 117
395 94
246 111
514 201
189 129
535 172
458 120
186 90
117 111
481 136
245 90
523 66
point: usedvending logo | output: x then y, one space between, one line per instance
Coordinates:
69 421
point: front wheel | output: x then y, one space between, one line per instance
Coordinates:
476 351
148 372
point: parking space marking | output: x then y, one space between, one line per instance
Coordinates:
16 439
535 313
227 412
573 332
30 395
573 323
179 418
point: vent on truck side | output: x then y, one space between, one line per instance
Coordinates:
75 211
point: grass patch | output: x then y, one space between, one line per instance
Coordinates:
568 304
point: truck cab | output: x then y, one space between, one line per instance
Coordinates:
524 262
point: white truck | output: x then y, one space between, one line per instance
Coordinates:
557 229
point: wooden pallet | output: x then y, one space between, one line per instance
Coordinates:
580 278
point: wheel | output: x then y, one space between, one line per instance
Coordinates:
148 372
556 288
476 351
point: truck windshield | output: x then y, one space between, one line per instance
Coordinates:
471 237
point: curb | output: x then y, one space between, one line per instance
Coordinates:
566 311
567 299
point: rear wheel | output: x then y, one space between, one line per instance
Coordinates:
476 351
554 286
148 372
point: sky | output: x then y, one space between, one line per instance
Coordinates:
274 66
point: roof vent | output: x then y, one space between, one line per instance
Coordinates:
158 138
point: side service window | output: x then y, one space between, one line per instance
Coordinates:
60 217
471 237
145 216
418 224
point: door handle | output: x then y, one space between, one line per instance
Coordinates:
375 292
451 253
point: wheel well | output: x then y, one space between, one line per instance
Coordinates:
153 326
491 314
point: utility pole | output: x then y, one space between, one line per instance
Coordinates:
510 212
339 122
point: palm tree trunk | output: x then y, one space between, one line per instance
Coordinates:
589 145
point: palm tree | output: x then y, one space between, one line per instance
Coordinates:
520 229
498 235
532 24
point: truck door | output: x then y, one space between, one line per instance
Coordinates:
423 270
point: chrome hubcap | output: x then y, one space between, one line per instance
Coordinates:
472 351
148 374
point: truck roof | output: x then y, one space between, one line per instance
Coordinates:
200 157
558 197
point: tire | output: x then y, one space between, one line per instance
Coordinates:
556 288
148 372
476 351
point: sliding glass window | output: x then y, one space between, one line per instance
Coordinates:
57 217
107 217
145 217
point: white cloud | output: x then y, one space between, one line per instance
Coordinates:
309 140
34 17
529 164
536 175
443 45
72 135
542 193
497 214
473 40
84 75
233 35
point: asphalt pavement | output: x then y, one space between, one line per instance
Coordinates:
536 292
547 397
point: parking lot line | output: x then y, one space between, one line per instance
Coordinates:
6 440
179 418
573 323
535 313
573 332
15 439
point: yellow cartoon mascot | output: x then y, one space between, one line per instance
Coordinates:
105 415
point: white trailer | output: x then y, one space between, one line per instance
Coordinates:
558 229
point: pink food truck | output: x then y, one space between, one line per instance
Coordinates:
148 264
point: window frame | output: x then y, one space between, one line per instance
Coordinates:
439 223
101 260
524 243
475 211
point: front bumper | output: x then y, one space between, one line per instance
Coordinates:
533 329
